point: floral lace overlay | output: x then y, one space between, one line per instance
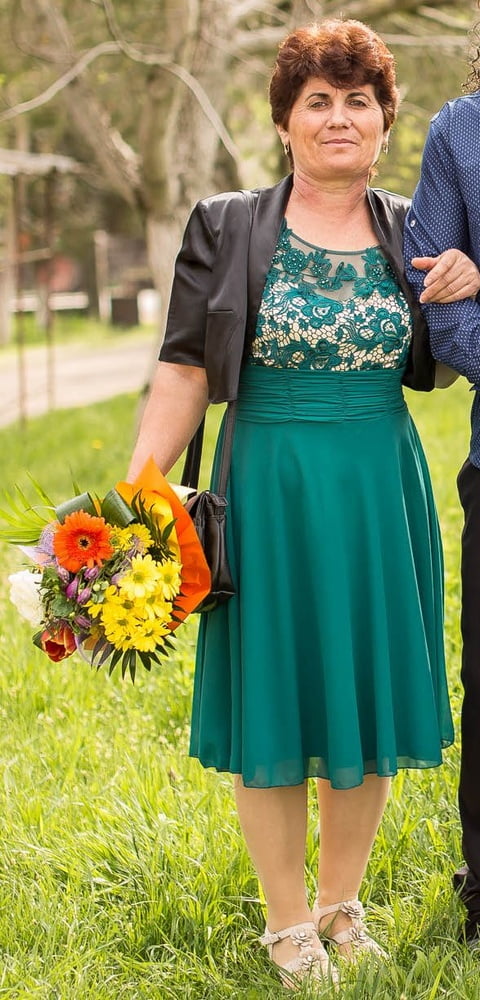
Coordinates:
338 311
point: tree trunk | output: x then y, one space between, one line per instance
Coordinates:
178 144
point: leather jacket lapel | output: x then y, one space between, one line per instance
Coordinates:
269 213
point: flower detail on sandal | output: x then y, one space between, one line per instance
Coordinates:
355 936
312 959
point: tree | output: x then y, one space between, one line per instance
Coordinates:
145 90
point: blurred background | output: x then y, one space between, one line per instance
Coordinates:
115 117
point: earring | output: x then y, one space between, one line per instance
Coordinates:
385 147
286 148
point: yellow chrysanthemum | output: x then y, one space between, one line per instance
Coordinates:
121 538
148 637
169 579
141 532
119 624
133 534
155 606
93 609
142 578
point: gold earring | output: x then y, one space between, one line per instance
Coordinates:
385 147
286 148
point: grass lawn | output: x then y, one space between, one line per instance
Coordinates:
123 874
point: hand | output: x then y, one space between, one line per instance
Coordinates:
450 276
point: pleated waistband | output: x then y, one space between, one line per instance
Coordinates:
295 394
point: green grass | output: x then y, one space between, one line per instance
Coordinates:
68 326
123 873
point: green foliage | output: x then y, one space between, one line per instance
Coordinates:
24 521
124 873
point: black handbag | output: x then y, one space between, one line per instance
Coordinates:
208 511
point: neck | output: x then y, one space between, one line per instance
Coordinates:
333 214
342 198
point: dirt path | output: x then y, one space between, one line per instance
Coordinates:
81 374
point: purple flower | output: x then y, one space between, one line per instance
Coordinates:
84 595
91 572
71 589
63 574
82 621
45 542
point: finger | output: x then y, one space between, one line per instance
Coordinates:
467 292
442 283
452 292
457 272
442 272
423 263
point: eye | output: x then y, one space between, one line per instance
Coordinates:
358 102
318 103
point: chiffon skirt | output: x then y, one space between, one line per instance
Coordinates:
329 660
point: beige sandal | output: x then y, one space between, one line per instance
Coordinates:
312 959
355 936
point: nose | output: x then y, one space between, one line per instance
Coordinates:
338 115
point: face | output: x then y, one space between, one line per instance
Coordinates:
334 133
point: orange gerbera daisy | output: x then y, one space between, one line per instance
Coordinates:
82 540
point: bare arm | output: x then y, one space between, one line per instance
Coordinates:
176 404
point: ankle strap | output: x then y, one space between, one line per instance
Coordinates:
352 907
300 930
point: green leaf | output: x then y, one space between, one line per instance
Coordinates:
116 656
146 659
82 501
132 664
116 511
26 522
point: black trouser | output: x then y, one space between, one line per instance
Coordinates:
469 789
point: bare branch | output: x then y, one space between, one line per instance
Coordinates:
150 59
246 7
447 19
104 48
260 40
425 41
153 59
266 39
367 10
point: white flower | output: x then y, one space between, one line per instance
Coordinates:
183 492
25 595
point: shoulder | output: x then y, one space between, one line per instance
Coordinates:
389 204
226 203
390 198
459 112
236 206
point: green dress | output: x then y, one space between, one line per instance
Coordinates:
329 661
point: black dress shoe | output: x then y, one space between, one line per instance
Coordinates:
470 935
466 885
459 878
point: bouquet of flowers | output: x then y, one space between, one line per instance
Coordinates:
111 578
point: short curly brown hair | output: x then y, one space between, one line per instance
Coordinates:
346 53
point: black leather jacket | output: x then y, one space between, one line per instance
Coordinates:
220 273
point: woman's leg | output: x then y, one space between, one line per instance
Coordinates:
274 824
349 820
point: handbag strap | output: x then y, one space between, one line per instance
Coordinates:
191 469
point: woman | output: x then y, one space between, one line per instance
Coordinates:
328 662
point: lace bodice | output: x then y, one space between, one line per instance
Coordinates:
331 310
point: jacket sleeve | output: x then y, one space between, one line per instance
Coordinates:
437 221
184 341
